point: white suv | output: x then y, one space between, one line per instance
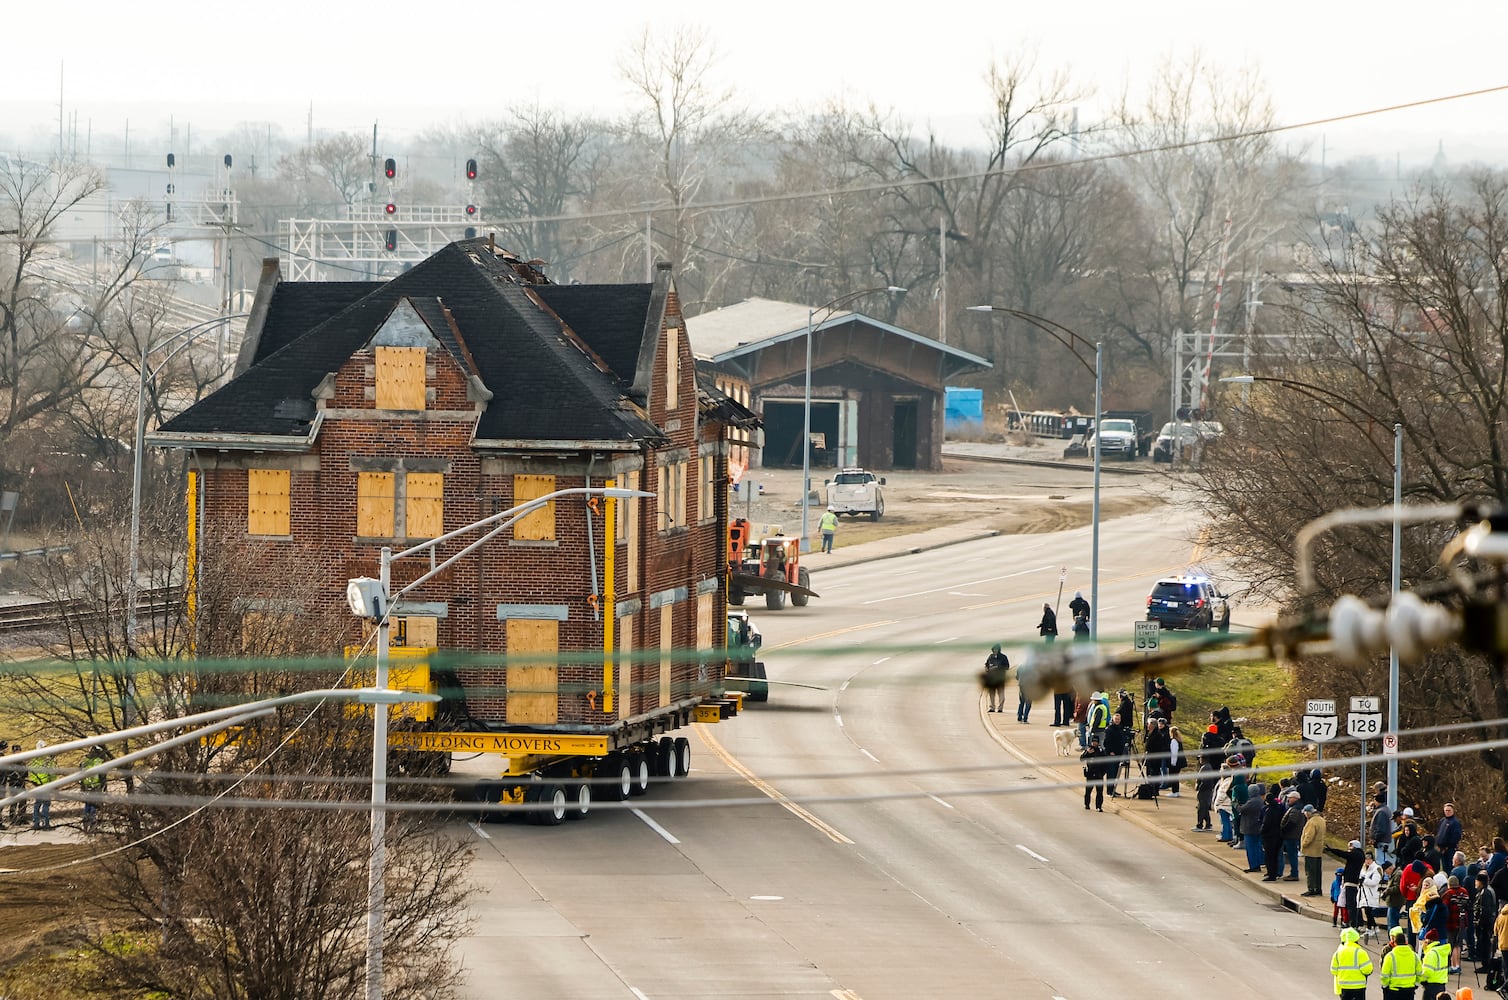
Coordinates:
856 492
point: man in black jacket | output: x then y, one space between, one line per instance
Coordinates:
1350 882
1272 835
1094 773
1117 744
1484 913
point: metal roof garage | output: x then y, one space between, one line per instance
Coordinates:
877 390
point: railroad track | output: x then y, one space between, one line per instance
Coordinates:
34 615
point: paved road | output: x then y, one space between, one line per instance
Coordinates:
953 869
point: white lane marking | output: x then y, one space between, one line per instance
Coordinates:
939 642
966 583
657 828
962 593
477 828
1028 850
869 755
881 660
644 996
767 899
844 685
838 719
940 802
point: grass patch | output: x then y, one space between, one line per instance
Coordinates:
1259 696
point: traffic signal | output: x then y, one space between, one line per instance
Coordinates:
390 167
390 208
471 170
470 209
172 161
392 239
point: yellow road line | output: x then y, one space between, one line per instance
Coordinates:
703 731
829 635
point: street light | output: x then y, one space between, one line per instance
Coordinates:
1073 341
806 405
374 599
187 336
1331 399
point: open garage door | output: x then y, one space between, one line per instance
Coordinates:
782 434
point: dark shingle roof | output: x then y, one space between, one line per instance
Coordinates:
299 306
545 385
610 318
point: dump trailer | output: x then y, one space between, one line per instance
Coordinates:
769 565
558 769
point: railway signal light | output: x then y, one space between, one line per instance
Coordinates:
390 208
390 167
471 170
470 209
392 239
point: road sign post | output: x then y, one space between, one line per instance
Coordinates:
1364 722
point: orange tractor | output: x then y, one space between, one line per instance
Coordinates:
769 566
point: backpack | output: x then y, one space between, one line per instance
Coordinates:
1146 791
1168 702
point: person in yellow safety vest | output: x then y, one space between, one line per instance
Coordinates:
828 525
1436 974
1401 968
1350 965
43 769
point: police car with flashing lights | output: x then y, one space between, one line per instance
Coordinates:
1188 602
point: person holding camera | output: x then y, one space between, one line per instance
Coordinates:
1096 771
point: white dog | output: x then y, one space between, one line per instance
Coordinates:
1067 741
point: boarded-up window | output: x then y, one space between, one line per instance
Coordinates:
705 485
424 504
667 653
631 533
267 501
672 367
417 631
533 682
400 378
540 525
672 496
625 666
704 622
374 504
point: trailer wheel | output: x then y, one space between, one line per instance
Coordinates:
639 765
553 798
665 758
682 756
617 777
804 578
736 596
774 599
580 801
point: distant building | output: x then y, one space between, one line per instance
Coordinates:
877 390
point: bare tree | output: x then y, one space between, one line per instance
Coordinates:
534 165
690 134
1408 324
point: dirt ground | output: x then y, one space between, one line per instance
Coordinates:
1018 499
39 900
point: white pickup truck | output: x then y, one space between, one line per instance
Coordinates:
855 491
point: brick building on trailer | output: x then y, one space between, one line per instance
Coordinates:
371 414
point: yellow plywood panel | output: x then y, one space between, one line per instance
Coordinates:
540 525
421 631
374 504
667 650
267 501
625 666
533 686
424 504
672 367
704 621
400 378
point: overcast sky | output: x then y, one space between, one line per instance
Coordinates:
406 65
